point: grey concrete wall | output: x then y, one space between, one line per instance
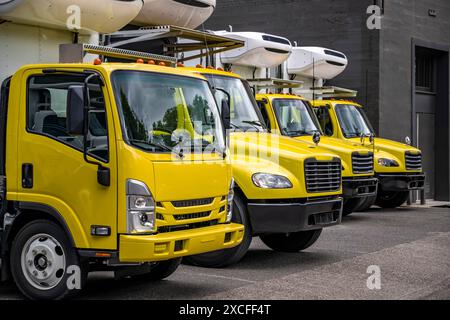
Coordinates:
336 24
402 21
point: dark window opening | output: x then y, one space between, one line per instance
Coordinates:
47 112
425 73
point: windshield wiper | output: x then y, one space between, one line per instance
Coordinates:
255 123
299 133
152 144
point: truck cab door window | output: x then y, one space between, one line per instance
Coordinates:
324 117
265 115
47 112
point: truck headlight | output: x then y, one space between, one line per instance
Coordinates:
230 198
387 162
271 181
140 208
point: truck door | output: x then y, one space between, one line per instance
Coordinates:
54 171
324 117
4 93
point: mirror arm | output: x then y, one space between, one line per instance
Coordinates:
103 173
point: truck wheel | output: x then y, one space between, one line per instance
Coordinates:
366 204
350 205
291 242
161 270
41 254
391 200
223 258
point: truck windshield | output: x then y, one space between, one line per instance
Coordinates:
161 112
353 121
244 111
294 117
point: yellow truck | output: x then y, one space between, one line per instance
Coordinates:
92 176
292 116
286 191
398 166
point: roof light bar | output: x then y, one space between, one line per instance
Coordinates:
126 54
274 83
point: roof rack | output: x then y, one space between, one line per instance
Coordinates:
198 40
69 53
329 92
274 83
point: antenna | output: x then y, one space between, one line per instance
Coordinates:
314 79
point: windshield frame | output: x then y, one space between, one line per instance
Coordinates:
263 128
363 116
311 113
219 126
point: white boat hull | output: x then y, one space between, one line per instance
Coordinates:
320 63
177 13
103 16
260 50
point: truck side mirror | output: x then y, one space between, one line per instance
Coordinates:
75 110
226 116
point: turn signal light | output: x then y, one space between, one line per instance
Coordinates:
139 61
151 62
97 62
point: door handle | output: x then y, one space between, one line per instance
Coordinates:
27 176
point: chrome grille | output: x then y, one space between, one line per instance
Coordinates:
323 176
192 203
413 161
362 163
197 215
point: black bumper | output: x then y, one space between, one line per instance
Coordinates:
294 217
405 182
359 187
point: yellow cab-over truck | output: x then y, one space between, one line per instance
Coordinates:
92 176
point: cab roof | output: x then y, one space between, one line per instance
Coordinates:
212 71
334 102
111 67
272 96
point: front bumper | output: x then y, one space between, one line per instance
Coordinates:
359 187
165 246
294 217
399 182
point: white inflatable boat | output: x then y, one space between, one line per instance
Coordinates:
261 50
181 13
321 62
103 16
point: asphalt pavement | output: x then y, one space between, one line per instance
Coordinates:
406 252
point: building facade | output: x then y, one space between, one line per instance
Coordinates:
398 62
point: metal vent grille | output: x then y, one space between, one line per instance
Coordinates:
413 161
197 215
323 176
192 203
362 163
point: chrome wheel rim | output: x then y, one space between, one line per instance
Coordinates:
43 262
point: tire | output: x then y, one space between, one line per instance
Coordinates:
366 204
224 258
391 200
161 270
350 205
41 254
291 242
